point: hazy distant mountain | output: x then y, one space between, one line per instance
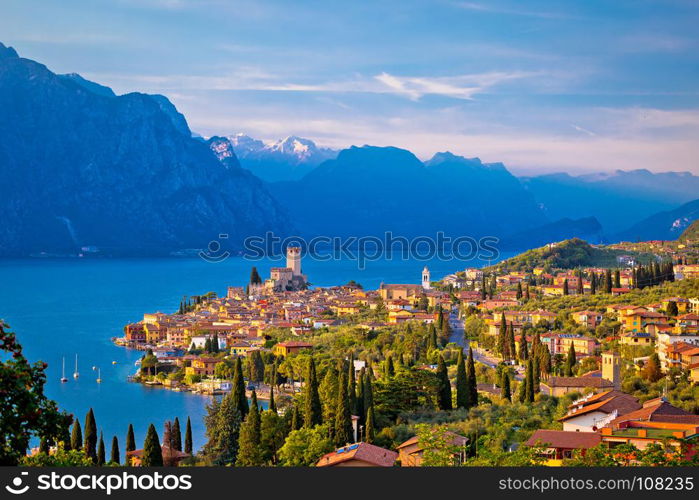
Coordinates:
588 229
617 199
283 160
370 190
667 225
83 167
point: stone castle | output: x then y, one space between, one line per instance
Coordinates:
289 278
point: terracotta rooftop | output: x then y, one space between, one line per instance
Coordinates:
594 382
569 440
364 452
658 410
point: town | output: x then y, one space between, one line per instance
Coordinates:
606 359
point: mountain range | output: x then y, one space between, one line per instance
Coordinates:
283 160
83 167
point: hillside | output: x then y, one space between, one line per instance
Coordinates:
691 233
665 225
568 254
82 167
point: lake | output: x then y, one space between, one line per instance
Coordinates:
60 307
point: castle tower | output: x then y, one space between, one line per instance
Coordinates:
426 282
611 368
293 260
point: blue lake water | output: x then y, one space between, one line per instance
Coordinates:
60 307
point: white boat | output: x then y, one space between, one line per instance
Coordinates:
63 376
138 362
99 376
76 374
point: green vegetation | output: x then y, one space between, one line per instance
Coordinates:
568 254
691 233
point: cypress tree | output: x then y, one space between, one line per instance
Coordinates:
519 290
502 338
76 436
472 382
130 439
368 392
432 339
343 417
565 287
462 389
536 375
176 435
272 406
570 362
389 370
255 276
580 289
90 444
370 431
352 387
249 451
511 347
523 348
444 386
101 453
114 455
240 400
360 398
152 453
188 437
526 293
529 385
295 419
505 386
522 390
313 411
593 284
608 281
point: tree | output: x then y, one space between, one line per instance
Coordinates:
90 445
593 284
502 337
188 437
101 452
580 290
608 281
472 382
652 371
462 389
25 411
240 400
444 388
305 446
257 367
76 436
505 386
313 411
222 430
519 290
389 370
273 432
272 406
529 382
432 338
672 308
249 451
343 417
370 428
570 362
352 387
511 347
176 435
130 439
565 287
255 276
114 455
617 279
523 348
152 453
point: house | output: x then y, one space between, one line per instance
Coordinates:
560 445
204 367
410 452
171 457
359 455
393 292
656 422
290 347
558 386
240 348
636 339
593 411
590 319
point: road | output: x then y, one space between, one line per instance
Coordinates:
479 355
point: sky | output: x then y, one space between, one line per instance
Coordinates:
543 86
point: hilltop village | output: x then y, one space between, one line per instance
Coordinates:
540 359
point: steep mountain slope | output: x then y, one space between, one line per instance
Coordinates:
371 190
283 160
691 233
617 199
667 225
588 229
81 167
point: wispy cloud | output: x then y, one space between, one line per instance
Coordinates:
494 9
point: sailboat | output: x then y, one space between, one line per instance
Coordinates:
76 374
99 375
63 376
